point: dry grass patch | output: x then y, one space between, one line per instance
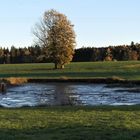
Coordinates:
132 66
64 78
16 81
117 78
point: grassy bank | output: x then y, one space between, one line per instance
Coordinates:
77 123
67 123
129 70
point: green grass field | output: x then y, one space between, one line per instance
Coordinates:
70 123
126 69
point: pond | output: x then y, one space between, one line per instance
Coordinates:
49 94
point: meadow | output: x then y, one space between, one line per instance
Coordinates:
70 123
129 70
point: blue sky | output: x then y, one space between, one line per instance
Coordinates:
97 22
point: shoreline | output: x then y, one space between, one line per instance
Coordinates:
13 81
93 80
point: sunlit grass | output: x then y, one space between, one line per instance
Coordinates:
124 70
67 123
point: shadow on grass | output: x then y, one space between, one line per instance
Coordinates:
73 132
66 108
100 108
41 69
59 73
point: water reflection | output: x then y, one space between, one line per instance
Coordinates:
34 94
63 95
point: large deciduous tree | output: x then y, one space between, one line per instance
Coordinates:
55 33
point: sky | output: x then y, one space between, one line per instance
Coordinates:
97 23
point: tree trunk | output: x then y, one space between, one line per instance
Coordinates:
56 66
62 66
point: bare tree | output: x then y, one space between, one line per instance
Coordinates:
55 32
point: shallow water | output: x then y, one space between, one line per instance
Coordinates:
35 94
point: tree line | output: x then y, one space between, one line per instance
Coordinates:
111 53
37 54
32 54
